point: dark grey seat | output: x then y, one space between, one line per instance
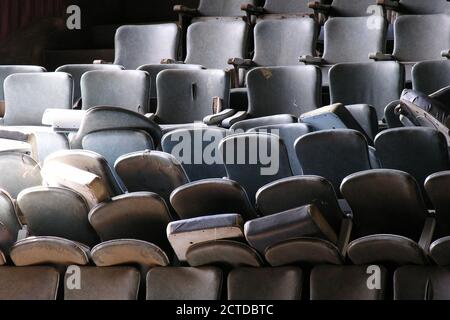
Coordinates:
112 88
417 151
78 70
347 283
391 221
137 45
349 40
289 133
429 77
184 284
254 160
279 9
333 154
375 84
265 284
21 172
197 150
151 171
113 132
211 197
301 87
57 212
196 96
10 224
417 7
346 8
421 283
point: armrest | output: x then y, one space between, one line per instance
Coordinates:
101 62
23 233
390 5
345 234
319 7
252 9
238 116
379 56
63 120
181 9
171 61
239 63
445 54
218 118
427 233
150 116
2 109
312 60
442 95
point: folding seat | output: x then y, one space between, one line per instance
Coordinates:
417 151
349 40
421 283
376 84
417 7
289 133
278 9
296 36
211 197
254 160
21 172
57 212
151 171
333 154
137 45
113 132
301 87
348 283
184 284
200 95
391 221
6 71
10 225
78 70
418 38
128 89
83 171
265 284
197 150
429 77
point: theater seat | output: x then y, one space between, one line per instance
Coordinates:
184 284
265 284
10 224
429 77
348 283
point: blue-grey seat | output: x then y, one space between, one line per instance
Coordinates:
279 9
429 77
7 70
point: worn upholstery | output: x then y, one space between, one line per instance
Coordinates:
145 44
128 89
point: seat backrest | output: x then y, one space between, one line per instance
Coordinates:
350 8
296 36
22 172
57 212
348 283
28 95
9 222
333 154
139 216
212 43
192 98
6 71
425 7
289 133
151 171
376 84
254 160
77 71
128 89
146 44
197 150
385 202
265 284
415 150
220 8
431 76
211 197
437 189
353 39
419 38
184 283
300 85
286 6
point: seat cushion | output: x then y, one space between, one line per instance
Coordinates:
440 251
386 248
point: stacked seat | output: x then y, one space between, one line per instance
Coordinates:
429 77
